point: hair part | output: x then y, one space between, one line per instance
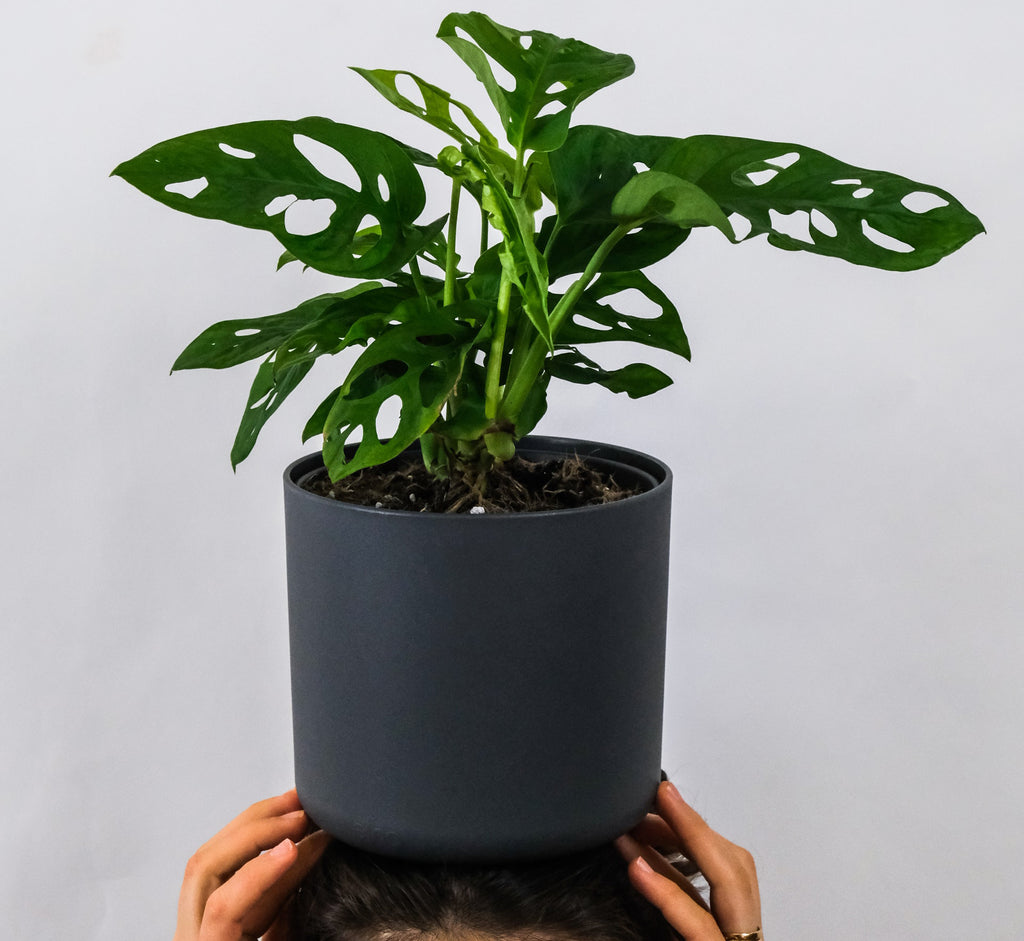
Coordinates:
352 895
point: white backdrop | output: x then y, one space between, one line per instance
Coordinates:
846 643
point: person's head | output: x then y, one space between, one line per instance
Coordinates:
356 896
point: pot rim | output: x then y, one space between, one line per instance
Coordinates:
644 465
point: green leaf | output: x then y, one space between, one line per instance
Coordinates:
436 108
231 342
654 196
663 331
251 175
550 74
420 363
636 379
587 172
843 207
269 389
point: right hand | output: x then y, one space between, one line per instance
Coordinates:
238 884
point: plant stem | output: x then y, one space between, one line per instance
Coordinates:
518 386
451 258
493 385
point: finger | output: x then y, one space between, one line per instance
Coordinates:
653 831
728 868
689 919
253 899
310 850
252 832
630 849
240 907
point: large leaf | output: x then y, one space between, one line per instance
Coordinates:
594 320
849 212
550 75
251 174
587 172
636 379
420 363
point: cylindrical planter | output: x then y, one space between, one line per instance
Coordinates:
479 687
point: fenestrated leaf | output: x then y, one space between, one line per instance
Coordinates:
246 174
636 379
551 74
608 323
436 108
754 178
419 362
587 172
268 391
231 342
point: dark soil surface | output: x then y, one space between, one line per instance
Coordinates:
518 486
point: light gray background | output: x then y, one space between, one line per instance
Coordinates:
846 644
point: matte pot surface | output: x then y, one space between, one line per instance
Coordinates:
479 687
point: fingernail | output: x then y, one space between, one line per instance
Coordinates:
643 865
282 849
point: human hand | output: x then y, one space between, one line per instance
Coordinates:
233 890
733 912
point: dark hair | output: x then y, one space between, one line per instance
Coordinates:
352 895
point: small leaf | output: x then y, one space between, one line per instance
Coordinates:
636 379
654 196
437 104
269 389
547 73
241 191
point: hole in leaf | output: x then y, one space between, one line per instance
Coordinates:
923 202
382 187
583 320
503 76
554 106
884 241
741 226
823 223
862 192
786 160
308 216
407 87
247 332
188 188
331 163
635 303
279 204
388 416
794 224
556 88
846 182
526 40
760 177
236 152
640 166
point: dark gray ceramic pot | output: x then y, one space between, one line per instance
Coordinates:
479 687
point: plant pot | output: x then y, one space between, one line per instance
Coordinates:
479 687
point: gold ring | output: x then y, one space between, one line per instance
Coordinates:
754 935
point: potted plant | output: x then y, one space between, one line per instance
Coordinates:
435 654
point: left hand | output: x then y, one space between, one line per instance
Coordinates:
735 903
